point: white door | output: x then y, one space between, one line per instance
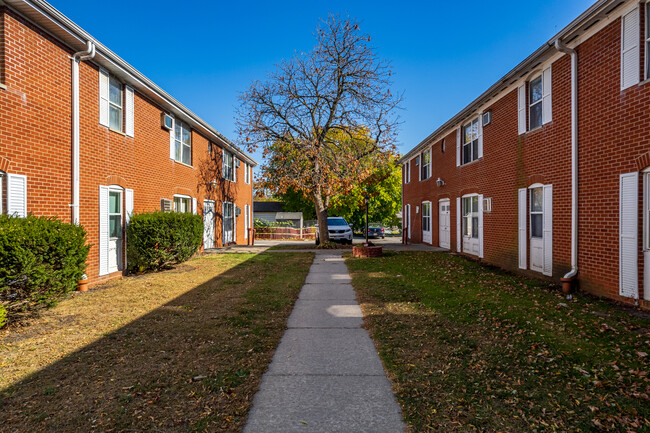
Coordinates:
536 229
646 235
228 223
115 230
444 223
471 241
208 224
426 222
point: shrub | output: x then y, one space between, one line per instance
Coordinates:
41 259
160 239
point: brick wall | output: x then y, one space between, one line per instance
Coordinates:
614 139
35 138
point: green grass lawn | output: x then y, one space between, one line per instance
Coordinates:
469 348
174 351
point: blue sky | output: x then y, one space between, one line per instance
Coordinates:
205 53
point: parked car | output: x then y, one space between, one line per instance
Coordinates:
339 230
376 231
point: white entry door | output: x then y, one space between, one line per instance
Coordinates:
115 230
228 223
444 222
208 224
536 229
471 225
426 222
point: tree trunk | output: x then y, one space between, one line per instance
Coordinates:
321 215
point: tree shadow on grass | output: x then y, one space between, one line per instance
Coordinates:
192 364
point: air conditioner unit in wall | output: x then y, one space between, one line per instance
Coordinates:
487 117
167 121
487 204
166 205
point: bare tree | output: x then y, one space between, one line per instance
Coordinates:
322 118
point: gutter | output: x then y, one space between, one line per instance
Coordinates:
76 58
58 25
519 71
574 156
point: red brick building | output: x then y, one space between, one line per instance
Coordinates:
87 138
547 173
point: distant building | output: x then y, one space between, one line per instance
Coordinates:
273 212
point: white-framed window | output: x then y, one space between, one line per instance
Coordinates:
182 142
470 141
407 172
536 212
535 91
115 104
182 203
426 216
425 171
228 166
247 173
470 216
535 106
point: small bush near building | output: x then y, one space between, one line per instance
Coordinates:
159 240
41 259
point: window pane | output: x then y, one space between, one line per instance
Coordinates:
187 154
115 92
115 118
427 157
177 150
475 129
536 197
536 229
474 150
186 135
114 202
475 204
177 131
467 134
536 115
475 227
536 90
467 153
115 226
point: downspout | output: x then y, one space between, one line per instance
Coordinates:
574 158
77 57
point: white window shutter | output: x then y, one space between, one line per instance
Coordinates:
628 236
103 97
459 238
458 147
521 108
480 225
245 221
194 209
523 239
172 145
129 109
127 217
480 139
234 168
548 230
547 100
17 195
408 222
630 49
103 230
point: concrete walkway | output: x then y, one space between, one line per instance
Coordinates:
326 375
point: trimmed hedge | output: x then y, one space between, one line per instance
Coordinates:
41 259
159 240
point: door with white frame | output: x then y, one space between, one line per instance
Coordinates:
208 224
228 222
536 212
444 222
471 229
426 222
646 234
115 229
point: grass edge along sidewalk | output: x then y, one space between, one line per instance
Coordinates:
472 348
179 350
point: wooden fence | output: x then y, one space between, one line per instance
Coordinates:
285 233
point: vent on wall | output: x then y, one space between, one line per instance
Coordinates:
487 204
165 205
167 121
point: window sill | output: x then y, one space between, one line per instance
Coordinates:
3 86
470 163
182 163
644 82
116 131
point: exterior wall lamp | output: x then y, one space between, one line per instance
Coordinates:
440 182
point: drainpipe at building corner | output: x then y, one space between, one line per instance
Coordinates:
568 279
76 58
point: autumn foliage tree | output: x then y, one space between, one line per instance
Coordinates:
323 119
